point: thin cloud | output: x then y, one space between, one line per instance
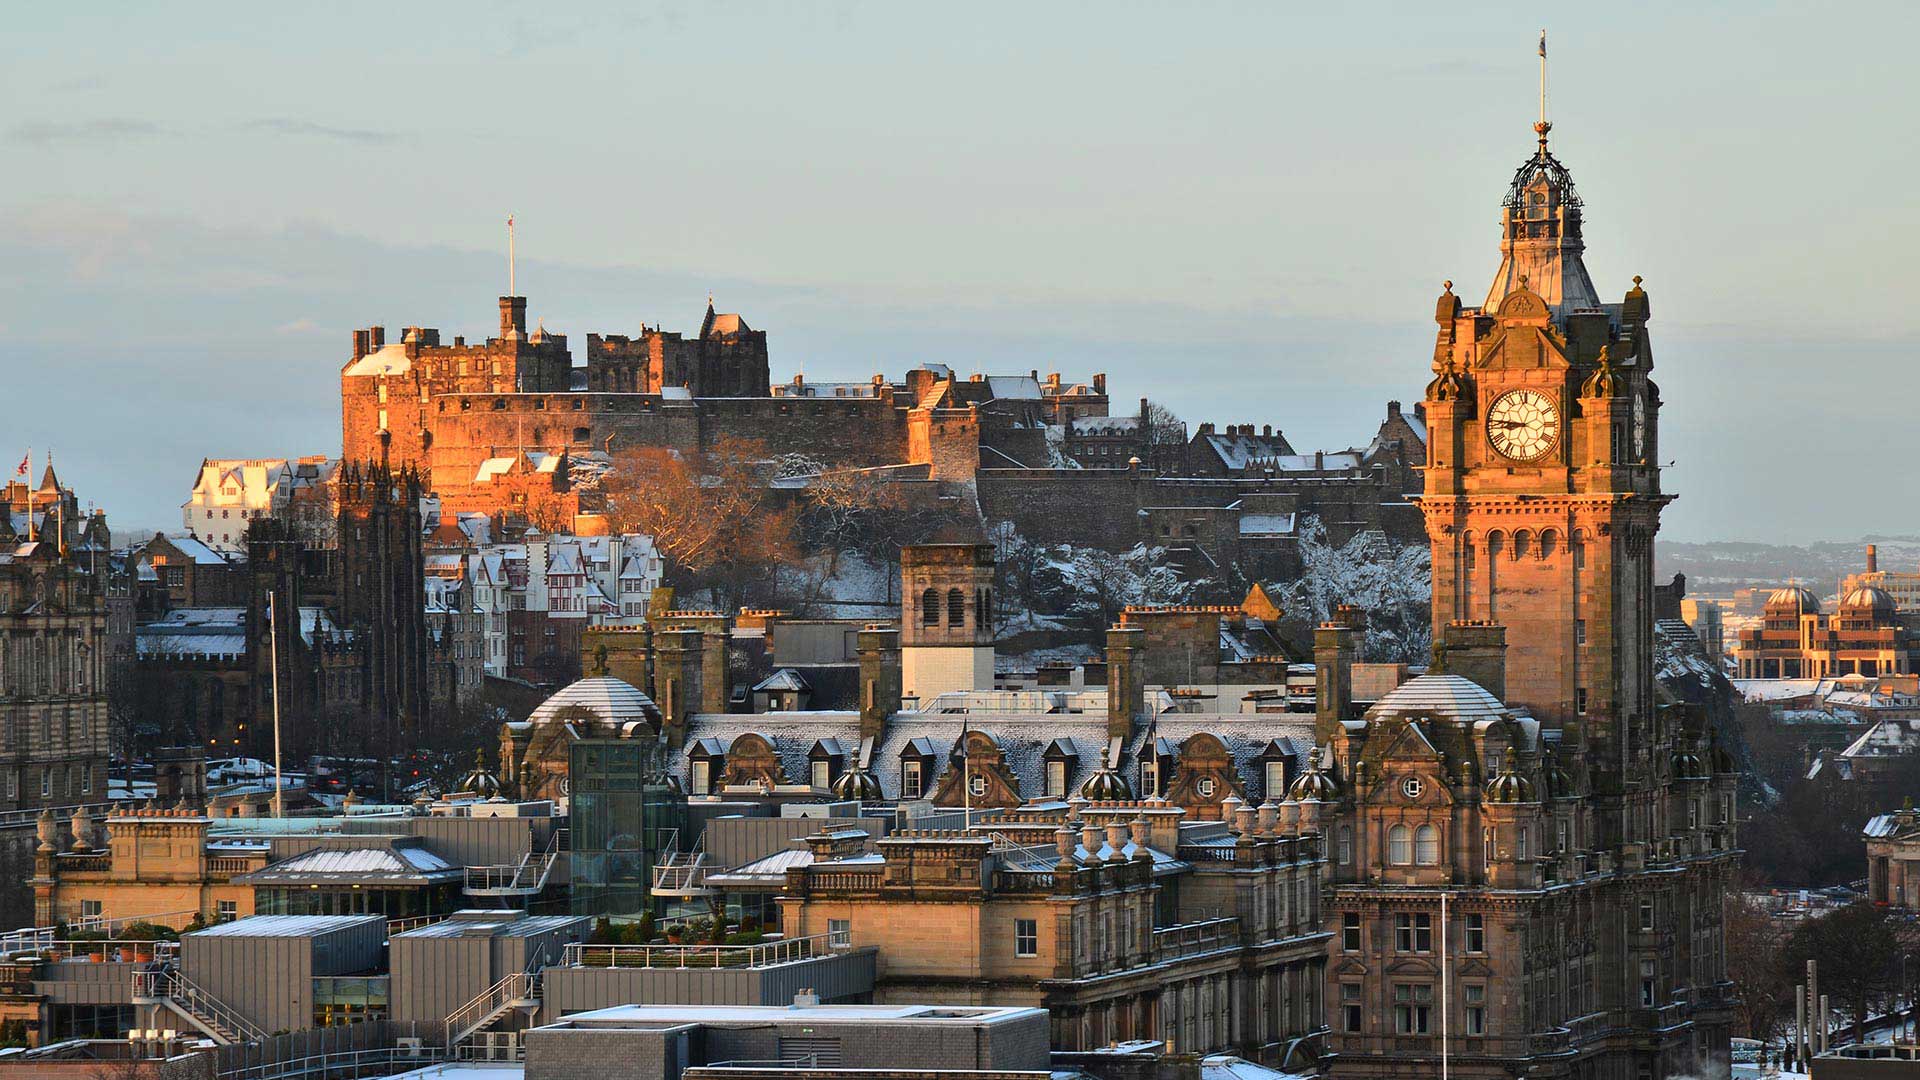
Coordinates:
105 129
308 129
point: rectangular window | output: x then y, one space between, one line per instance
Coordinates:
1350 931
910 783
1646 913
89 909
1579 631
839 932
1350 1010
1413 1008
1580 700
1026 937
1413 933
822 777
1476 1006
1648 991
229 910
1476 933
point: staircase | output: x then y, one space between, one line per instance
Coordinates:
520 990
526 878
167 987
682 874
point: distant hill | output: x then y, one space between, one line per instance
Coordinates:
1725 565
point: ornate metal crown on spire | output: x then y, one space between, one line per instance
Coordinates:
1541 164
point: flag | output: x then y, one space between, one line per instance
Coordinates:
25 463
1543 44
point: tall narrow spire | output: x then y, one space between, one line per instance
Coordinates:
1543 126
1540 242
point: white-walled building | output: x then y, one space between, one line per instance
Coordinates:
229 493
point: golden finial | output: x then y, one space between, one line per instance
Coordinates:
1447 285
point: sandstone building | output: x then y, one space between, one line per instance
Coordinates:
55 566
1529 852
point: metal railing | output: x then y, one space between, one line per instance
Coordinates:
385 1061
490 1004
401 926
1192 939
765 954
526 877
682 873
109 950
15 819
214 1015
30 938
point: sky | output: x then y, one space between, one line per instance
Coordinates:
1244 211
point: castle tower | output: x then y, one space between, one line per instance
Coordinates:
1542 484
946 619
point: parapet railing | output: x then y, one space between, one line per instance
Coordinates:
765 954
31 938
382 1062
109 950
1194 938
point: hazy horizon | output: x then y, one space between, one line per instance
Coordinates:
1240 211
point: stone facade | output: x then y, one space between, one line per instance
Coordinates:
1529 857
55 567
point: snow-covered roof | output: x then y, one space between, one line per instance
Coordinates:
1266 524
388 359
398 864
1014 387
1104 425
194 549
1449 696
611 700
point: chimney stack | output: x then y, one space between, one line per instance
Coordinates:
1873 558
879 679
1126 696
1334 643
1477 651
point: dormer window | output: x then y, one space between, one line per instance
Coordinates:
1061 759
825 762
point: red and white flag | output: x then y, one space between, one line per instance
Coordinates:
25 462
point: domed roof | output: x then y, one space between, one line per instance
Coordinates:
1794 598
611 700
1105 785
1314 785
1510 785
1450 696
481 781
1868 599
857 784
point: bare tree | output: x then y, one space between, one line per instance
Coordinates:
1164 437
711 513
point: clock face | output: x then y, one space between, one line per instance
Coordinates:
1523 424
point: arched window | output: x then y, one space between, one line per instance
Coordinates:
956 608
1521 540
1400 845
930 608
1346 845
1426 845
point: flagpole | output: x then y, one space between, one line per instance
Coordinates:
273 645
510 291
26 484
1543 76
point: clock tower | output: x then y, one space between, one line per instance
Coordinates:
1542 488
